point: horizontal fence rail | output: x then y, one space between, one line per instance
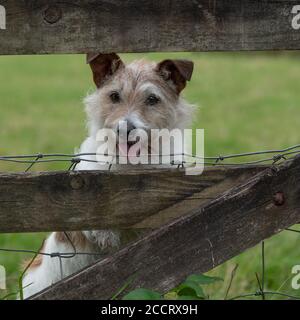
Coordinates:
209 235
62 201
80 26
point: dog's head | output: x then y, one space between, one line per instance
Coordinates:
144 95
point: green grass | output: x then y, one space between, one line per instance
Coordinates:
246 102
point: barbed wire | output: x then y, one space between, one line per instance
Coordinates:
277 157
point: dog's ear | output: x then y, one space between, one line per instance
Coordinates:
103 66
177 71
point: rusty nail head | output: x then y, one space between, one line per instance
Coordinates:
279 198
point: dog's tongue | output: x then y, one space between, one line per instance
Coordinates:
126 151
123 149
134 150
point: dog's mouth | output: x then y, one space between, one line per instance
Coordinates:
128 149
131 149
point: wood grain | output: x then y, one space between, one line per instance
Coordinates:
80 26
237 220
62 201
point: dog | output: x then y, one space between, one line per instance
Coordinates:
144 95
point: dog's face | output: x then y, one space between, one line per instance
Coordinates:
142 95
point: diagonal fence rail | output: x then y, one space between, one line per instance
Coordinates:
246 214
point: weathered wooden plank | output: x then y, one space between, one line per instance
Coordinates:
44 26
57 201
210 235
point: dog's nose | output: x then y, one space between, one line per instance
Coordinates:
130 127
125 127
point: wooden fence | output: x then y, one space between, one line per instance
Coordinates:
198 221
82 26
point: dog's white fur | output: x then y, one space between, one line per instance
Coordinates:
139 77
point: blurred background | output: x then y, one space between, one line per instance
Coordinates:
245 102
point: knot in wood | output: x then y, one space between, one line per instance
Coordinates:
76 182
52 14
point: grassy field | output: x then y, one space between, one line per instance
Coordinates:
246 102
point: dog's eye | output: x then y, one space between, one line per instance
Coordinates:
115 97
152 100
